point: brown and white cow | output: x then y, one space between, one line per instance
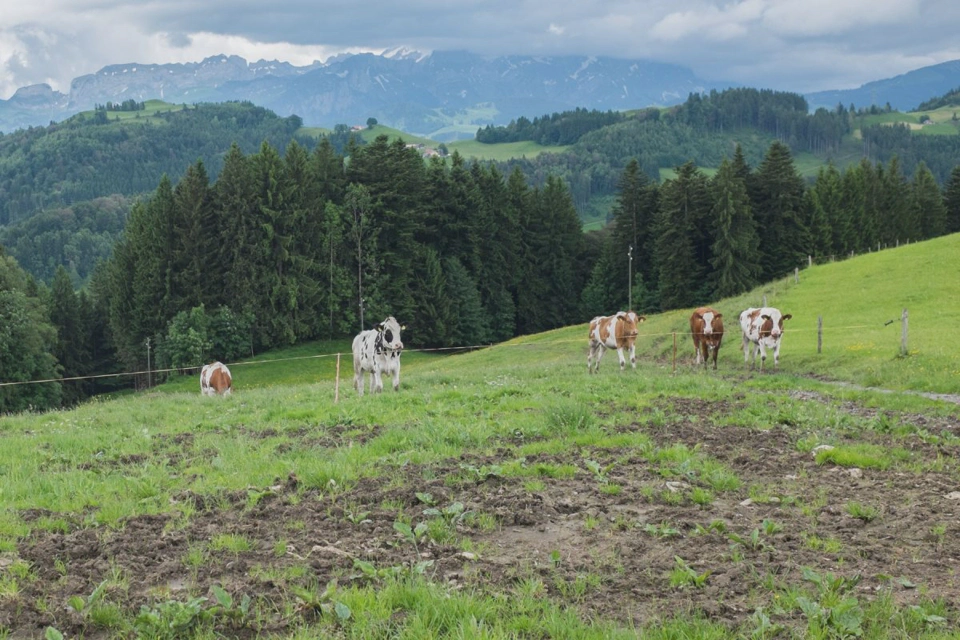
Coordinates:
613 332
706 327
762 329
378 351
215 379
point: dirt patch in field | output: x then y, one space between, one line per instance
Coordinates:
606 540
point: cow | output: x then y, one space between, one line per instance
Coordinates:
215 379
762 329
377 351
613 332
706 327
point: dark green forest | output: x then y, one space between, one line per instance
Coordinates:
284 245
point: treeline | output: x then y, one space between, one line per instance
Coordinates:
554 129
126 105
780 114
282 249
74 161
302 246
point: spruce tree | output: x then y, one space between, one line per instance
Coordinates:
926 202
778 208
736 248
72 345
681 204
951 201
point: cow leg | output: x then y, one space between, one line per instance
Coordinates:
396 376
776 356
633 357
358 380
623 361
747 348
596 363
591 352
762 350
696 352
716 351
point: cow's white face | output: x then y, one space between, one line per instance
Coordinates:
389 330
708 323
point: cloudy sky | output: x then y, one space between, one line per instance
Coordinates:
796 45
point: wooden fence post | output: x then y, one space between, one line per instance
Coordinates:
674 351
903 333
336 386
809 261
819 334
796 275
764 300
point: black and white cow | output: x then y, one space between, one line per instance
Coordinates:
377 351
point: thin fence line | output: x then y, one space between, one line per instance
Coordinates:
244 363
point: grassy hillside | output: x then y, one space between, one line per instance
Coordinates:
505 493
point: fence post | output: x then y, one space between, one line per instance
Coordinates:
796 275
903 333
764 300
809 261
336 386
674 351
819 334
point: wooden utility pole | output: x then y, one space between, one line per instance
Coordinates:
819 334
336 386
903 332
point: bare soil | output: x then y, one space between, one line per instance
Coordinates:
587 546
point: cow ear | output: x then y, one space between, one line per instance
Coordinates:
378 326
403 327
765 317
718 315
642 319
787 317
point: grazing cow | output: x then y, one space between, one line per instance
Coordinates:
613 332
706 327
215 379
763 328
378 351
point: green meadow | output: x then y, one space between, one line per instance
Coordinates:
505 493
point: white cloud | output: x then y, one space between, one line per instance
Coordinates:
555 29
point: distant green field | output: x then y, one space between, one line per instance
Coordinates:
501 151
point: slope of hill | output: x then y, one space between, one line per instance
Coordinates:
857 299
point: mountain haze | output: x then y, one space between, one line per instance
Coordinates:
445 94
904 92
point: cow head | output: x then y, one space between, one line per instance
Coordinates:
708 319
772 324
389 334
626 327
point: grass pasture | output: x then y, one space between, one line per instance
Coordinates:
504 493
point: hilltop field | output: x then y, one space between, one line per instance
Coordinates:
506 493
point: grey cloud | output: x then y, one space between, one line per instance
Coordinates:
800 45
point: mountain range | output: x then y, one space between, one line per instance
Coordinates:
444 95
